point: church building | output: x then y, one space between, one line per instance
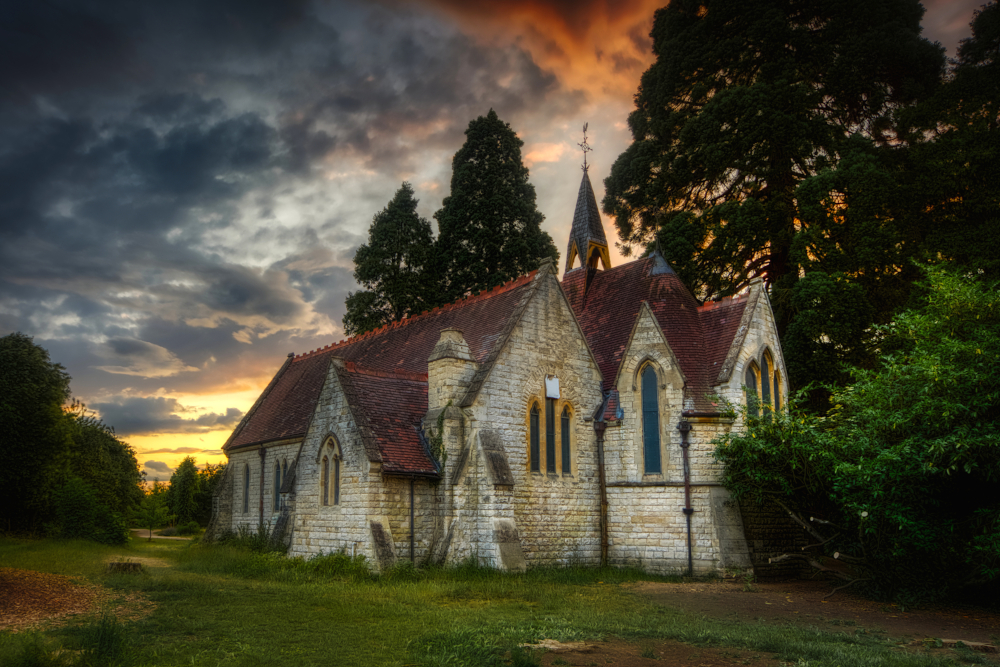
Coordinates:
539 423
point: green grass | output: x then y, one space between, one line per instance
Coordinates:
225 606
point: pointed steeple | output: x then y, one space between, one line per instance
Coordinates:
586 239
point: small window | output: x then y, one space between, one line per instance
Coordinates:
777 390
534 453
284 471
550 435
650 422
752 382
336 481
564 432
276 505
325 481
246 489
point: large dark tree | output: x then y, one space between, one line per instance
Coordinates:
747 100
490 229
395 267
35 434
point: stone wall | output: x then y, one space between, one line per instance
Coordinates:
556 515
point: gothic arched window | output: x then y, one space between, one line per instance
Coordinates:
276 505
534 451
246 488
564 433
550 435
650 422
752 381
324 481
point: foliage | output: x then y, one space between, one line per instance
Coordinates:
209 477
79 514
105 462
765 144
182 490
906 464
152 512
55 454
35 436
490 228
260 540
395 267
107 643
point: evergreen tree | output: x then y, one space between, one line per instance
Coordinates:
745 102
395 267
490 229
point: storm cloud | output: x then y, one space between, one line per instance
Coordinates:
183 185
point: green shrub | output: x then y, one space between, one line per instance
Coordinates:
80 515
107 644
189 528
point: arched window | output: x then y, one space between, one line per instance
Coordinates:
752 381
550 435
564 432
246 489
284 470
325 481
650 422
765 386
276 505
777 389
534 453
336 480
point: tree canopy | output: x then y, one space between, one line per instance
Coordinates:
62 465
395 267
746 104
490 229
906 465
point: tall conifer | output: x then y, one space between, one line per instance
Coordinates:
490 228
395 267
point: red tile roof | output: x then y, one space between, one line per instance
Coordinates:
387 367
699 336
388 408
286 407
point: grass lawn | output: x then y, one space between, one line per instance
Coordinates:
222 606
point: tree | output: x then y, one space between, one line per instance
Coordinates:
906 465
209 478
745 102
35 434
107 464
395 267
152 512
490 229
182 491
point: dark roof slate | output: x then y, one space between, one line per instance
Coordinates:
586 223
699 336
384 375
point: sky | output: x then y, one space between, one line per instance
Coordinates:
183 184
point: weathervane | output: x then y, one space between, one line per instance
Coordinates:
585 146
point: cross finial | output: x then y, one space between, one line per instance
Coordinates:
585 146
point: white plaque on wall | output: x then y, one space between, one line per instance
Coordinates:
551 387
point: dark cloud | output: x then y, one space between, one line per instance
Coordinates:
158 466
176 450
141 416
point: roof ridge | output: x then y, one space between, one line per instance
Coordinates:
709 305
461 303
396 373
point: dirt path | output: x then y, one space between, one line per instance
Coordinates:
801 602
143 534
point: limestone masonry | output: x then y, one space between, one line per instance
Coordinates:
540 423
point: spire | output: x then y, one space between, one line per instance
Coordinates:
586 239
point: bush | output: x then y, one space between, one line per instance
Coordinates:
260 540
189 528
79 514
906 463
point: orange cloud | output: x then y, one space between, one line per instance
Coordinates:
596 46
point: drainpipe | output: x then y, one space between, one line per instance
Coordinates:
263 453
599 426
685 428
412 562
